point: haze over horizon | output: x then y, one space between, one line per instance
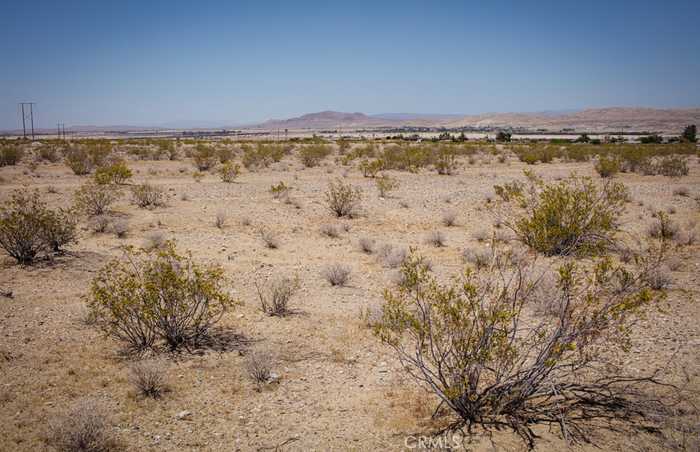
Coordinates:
239 62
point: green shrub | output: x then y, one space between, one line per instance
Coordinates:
158 295
607 166
311 155
445 160
29 229
280 190
115 173
10 155
370 168
49 153
573 216
229 171
343 199
94 199
477 346
78 160
205 157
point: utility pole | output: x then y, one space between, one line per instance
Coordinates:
22 105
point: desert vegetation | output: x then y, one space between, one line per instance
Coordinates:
211 292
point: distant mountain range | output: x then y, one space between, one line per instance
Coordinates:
597 119
589 120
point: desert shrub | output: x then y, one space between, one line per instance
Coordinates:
330 230
509 191
204 157
607 166
336 274
449 218
84 427
149 378
281 190
311 155
229 171
436 238
673 166
48 153
343 199
147 196
480 258
274 295
116 173
391 256
99 223
445 160
474 344
663 226
29 229
572 216
366 245
158 294
60 229
78 160
258 364
262 155
94 199
220 219
385 185
10 155
681 191
659 278
270 238
120 228
154 240
225 154
370 168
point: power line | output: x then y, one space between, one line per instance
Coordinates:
25 116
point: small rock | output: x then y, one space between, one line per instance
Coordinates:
184 414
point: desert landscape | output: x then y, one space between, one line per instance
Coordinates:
322 228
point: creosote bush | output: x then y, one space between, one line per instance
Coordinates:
78 160
29 229
274 295
343 199
10 155
115 173
475 346
158 296
229 171
386 185
94 199
572 216
607 166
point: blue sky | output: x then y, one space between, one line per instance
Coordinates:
230 62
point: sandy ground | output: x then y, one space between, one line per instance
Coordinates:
340 389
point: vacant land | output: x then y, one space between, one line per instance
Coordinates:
335 386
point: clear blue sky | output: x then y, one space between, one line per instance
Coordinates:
148 63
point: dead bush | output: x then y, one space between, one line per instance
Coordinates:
391 256
449 218
258 364
343 199
366 245
270 238
84 427
94 199
149 378
663 227
99 223
158 295
681 191
480 258
330 230
336 274
274 295
120 228
220 219
147 196
474 345
436 239
154 240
